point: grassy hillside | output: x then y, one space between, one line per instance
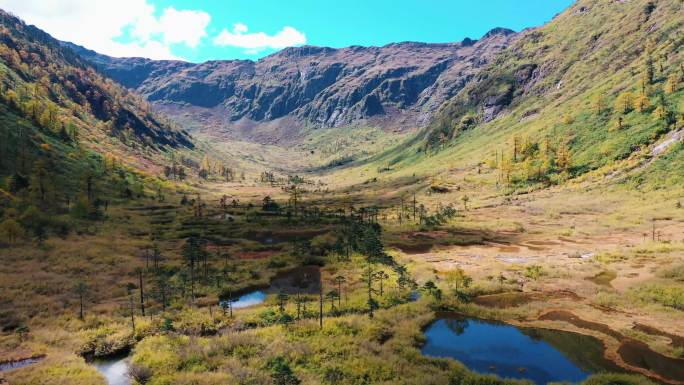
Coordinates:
55 88
594 89
71 140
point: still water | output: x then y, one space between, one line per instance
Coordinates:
539 355
114 370
250 299
300 280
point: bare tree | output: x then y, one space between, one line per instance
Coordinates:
381 276
142 292
339 280
320 306
81 289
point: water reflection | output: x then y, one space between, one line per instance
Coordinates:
512 352
114 370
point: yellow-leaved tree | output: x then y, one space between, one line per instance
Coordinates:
624 103
672 84
641 102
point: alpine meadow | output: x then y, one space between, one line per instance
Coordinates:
500 210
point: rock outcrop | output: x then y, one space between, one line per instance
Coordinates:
398 85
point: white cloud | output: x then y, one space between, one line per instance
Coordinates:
96 24
239 28
174 27
255 42
151 50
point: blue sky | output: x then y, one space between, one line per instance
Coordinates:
212 29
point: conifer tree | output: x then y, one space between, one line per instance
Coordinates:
624 103
11 230
649 71
563 157
641 102
81 289
599 103
339 280
39 183
672 84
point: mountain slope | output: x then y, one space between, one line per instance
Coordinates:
35 63
66 128
398 85
593 89
60 95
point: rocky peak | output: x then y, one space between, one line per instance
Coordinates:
398 85
498 32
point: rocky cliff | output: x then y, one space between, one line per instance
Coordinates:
397 86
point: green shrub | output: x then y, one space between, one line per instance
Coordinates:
617 379
281 372
670 296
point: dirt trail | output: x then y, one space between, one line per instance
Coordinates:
670 139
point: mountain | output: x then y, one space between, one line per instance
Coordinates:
552 91
56 90
63 125
597 88
398 85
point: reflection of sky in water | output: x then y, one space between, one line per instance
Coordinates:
500 349
18 364
115 371
249 299
415 295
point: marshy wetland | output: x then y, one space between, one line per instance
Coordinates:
544 315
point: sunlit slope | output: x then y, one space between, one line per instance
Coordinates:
592 93
49 94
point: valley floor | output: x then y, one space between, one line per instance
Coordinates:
602 261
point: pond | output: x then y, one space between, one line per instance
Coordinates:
304 280
250 299
114 370
414 296
18 364
539 355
